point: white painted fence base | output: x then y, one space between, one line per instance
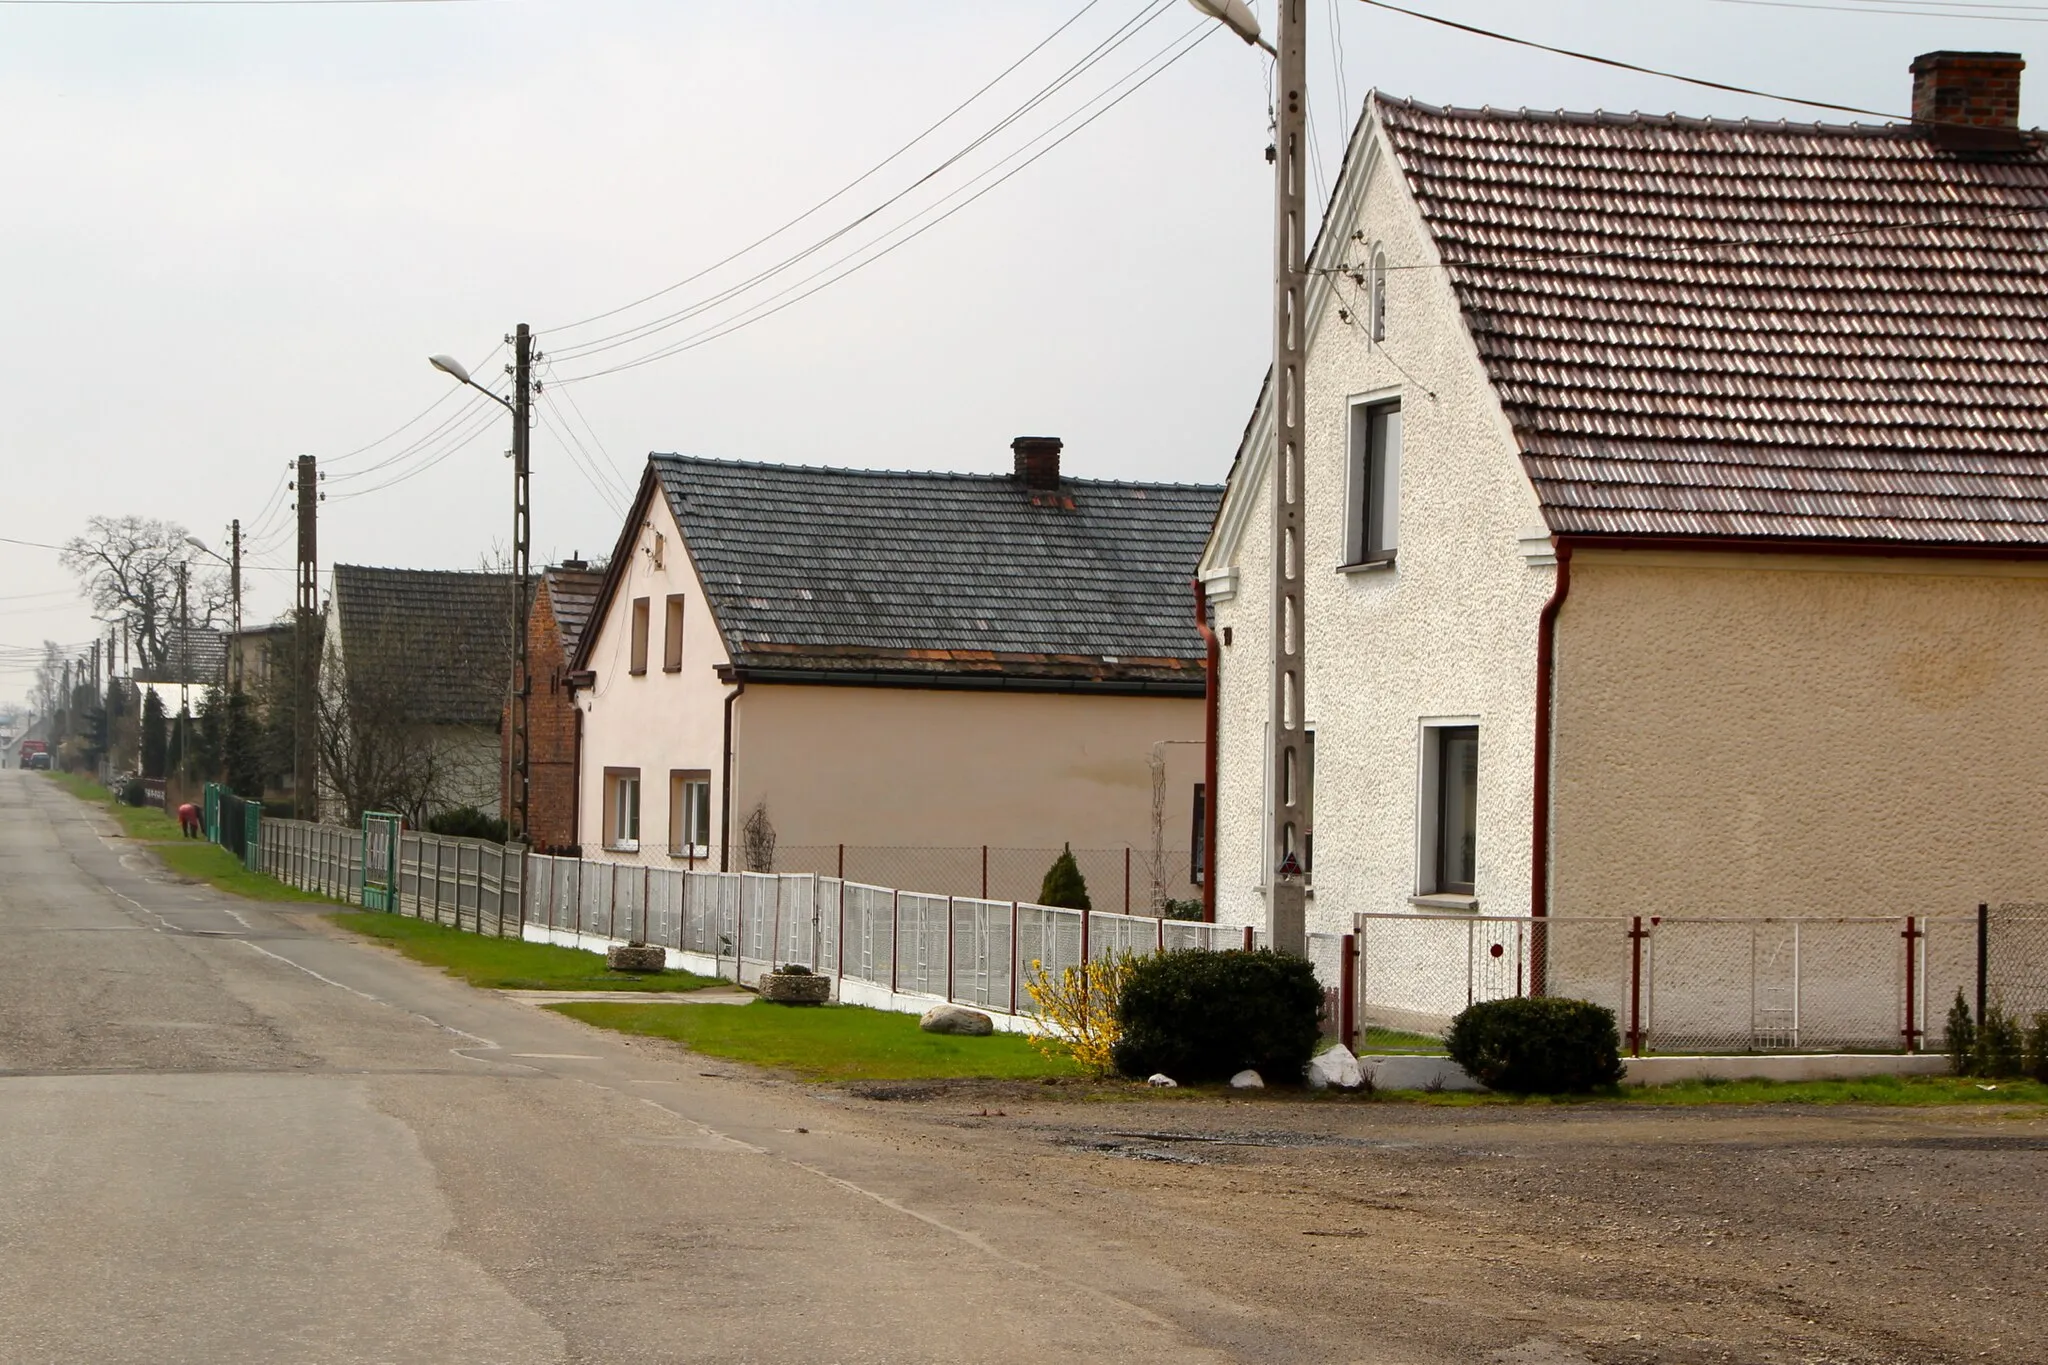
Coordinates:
846 990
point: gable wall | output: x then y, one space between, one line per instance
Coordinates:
550 733
656 722
1449 631
1799 735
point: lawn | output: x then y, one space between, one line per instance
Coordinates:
827 1042
508 963
1393 1040
137 822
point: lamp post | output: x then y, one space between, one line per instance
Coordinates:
520 405
1287 771
234 566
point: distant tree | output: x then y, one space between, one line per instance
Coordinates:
155 742
757 837
1064 888
129 568
47 693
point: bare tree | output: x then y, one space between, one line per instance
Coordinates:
129 568
47 697
757 836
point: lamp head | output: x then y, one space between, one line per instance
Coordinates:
1234 15
449 365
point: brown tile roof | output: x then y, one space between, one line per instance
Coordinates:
1714 328
571 595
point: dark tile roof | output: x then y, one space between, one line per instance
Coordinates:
945 573
1705 327
441 639
194 654
571 594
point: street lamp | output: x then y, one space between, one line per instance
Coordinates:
1287 771
520 405
234 567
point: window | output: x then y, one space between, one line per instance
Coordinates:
1373 519
689 814
1198 841
639 664
1450 809
672 636
622 808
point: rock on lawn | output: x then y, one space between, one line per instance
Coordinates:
956 1019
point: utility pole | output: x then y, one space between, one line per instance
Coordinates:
522 556
1286 918
305 756
235 598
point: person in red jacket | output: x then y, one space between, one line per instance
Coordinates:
188 820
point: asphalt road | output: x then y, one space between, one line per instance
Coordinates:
227 1135
230 1133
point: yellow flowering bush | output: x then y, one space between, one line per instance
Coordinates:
1074 1009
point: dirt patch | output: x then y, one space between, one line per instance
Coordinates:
1597 1233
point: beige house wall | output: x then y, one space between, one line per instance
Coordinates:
1800 734
930 769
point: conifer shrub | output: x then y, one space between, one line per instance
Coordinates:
1537 1046
2001 1046
1198 1015
1959 1037
1064 888
2037 1048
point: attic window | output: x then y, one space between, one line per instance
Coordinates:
639 661
1376 301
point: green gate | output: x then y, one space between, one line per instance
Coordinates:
380 860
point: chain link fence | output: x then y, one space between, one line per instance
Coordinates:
1680 984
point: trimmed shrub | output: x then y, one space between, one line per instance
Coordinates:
1540 1046
2037 1048
1959 1039
2001 1046
133 793
1064 888
467 822
1205 1016
1190 909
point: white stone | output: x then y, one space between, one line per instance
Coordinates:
1247 1080
956 1019
1335 1067
1162 1080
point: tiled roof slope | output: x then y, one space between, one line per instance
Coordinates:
1701 327
945 573
442 639
571 594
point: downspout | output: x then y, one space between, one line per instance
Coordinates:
1209 727
725 798
576 781
1539 835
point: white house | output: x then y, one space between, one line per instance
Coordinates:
1677 505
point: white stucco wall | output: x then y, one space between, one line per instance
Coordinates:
657 722
1448 631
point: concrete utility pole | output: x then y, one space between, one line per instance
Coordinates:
305 756
235 598
1286 925
522 559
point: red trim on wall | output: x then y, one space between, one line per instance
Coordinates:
1209 729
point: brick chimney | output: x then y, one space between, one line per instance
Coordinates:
1038 462
1969 100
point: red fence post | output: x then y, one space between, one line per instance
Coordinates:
895 933
646 888
950 922
842 862
1247 938
984 871
1635 987
775 926
1127 879
1347 992
1086 915
1911 935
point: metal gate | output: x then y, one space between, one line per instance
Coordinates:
380 860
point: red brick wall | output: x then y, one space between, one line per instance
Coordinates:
551 735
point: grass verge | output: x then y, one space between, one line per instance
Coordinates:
145 823
507 963
827 1042
1897 1091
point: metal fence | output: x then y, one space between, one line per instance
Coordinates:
881 941
463 883
1134 881
1717 985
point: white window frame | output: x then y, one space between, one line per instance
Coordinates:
1428 812
622 809
1358 472
689 795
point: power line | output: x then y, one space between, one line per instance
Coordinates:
1859 9
1624 66
1129 29
618 474
944 119
446 394
459 442
464 413
1199 34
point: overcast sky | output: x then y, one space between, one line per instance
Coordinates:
231 234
